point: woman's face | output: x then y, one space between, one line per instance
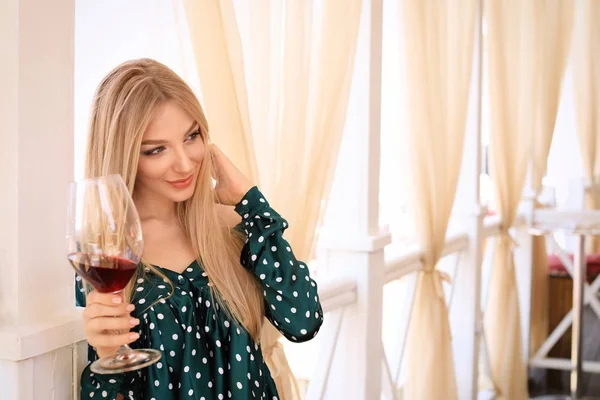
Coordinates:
171 154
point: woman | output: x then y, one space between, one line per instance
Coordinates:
215 261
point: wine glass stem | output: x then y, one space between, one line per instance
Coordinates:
124 352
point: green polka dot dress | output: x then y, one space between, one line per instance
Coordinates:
205 355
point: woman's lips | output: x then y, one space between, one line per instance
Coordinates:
182 183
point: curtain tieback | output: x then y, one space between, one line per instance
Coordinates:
438 278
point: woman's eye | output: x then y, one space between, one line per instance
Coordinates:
155 151
193 135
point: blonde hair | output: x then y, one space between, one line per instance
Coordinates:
125 102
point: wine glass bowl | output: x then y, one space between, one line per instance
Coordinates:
105 246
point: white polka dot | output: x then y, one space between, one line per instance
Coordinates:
279 279
104 393
112 381
156 383
142 301
207 303
256 383
249 376
170 386
248 349
279 298
238 357
265 262
226 323
244 202
140 289
307 314
191 392
221 371
218 343
295 294
204 360
293 277
175 337
276 264
172 353
159 365
293 310
267 214
210 384
303 331
91 394
261 239
288 248
262 276
189 329
274 248
253 257
206 329
220 396
246 215
186 369
261 200
160 316
161 286
198 375
194 352
183 309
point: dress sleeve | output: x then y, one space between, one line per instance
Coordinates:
292 301
105 386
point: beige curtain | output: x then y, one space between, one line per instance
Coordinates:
439 39
553 35
586 80
288 97
512 59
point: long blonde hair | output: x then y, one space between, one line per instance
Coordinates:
125 102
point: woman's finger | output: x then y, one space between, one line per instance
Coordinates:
123 324
97 310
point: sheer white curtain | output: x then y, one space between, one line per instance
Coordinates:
586 80
280 113
553 36
439 38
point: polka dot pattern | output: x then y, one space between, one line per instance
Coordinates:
204 353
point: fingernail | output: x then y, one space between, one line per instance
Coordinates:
134 321
130 307
116 300
134 336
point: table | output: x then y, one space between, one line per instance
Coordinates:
580 231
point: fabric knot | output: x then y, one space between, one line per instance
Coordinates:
438 278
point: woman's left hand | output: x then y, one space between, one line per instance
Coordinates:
232 185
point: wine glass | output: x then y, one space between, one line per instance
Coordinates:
104 238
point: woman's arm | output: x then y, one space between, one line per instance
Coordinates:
290 293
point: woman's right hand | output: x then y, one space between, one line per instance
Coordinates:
107 321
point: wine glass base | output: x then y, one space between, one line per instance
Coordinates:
131 361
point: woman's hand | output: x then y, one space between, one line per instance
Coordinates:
107 321
232 185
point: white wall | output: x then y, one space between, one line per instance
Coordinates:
109 32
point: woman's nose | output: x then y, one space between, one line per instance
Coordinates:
183 163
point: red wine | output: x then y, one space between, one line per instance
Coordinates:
106 274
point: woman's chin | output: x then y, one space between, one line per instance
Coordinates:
180 196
